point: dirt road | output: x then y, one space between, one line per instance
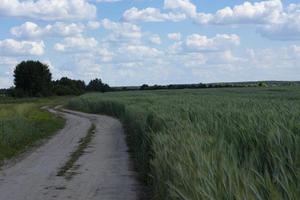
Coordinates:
103 172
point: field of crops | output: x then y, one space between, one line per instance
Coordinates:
241 143
22 123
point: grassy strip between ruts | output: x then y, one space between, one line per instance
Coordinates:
83 144
232 144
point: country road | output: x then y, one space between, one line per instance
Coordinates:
102 172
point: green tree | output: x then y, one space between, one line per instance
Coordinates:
96 85
66 86
144 87
262 84
32 78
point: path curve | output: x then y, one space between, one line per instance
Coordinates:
102 172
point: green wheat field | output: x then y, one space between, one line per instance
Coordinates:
241 143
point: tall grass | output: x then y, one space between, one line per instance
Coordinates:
22 124
211 144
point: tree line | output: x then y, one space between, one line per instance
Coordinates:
34 79
218 85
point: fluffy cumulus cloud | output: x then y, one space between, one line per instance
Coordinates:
287 28
184 6
151 15
196 42
137 52
21 48
122 30
271 18
76 44
269 11
104 54
32 30
199 54
274 59
247 13
48 9
93 25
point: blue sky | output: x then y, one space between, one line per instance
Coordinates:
131 42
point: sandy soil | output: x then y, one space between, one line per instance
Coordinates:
103 172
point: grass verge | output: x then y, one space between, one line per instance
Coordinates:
23 123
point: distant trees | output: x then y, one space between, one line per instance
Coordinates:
32 78
144 87
174 86
96 85
262 84
66 86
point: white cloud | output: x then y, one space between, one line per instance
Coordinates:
270 17
5 82
61 29
277 58
20 48
287 28
196 42
247 13
225 57
155 39
93 25
75 44
8 61
87 67
7 65
151 15
263 12
48 9
122 31
139 51
184 6
174 36
193 59
104 54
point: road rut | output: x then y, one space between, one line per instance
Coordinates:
102 172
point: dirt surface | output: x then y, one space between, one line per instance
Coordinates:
102 172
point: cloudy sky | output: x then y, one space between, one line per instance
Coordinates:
131 42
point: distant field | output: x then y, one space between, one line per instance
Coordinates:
241 143
22 123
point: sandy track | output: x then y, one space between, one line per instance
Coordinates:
102 172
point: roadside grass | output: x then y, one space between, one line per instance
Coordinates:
83 144
240 143
23 123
